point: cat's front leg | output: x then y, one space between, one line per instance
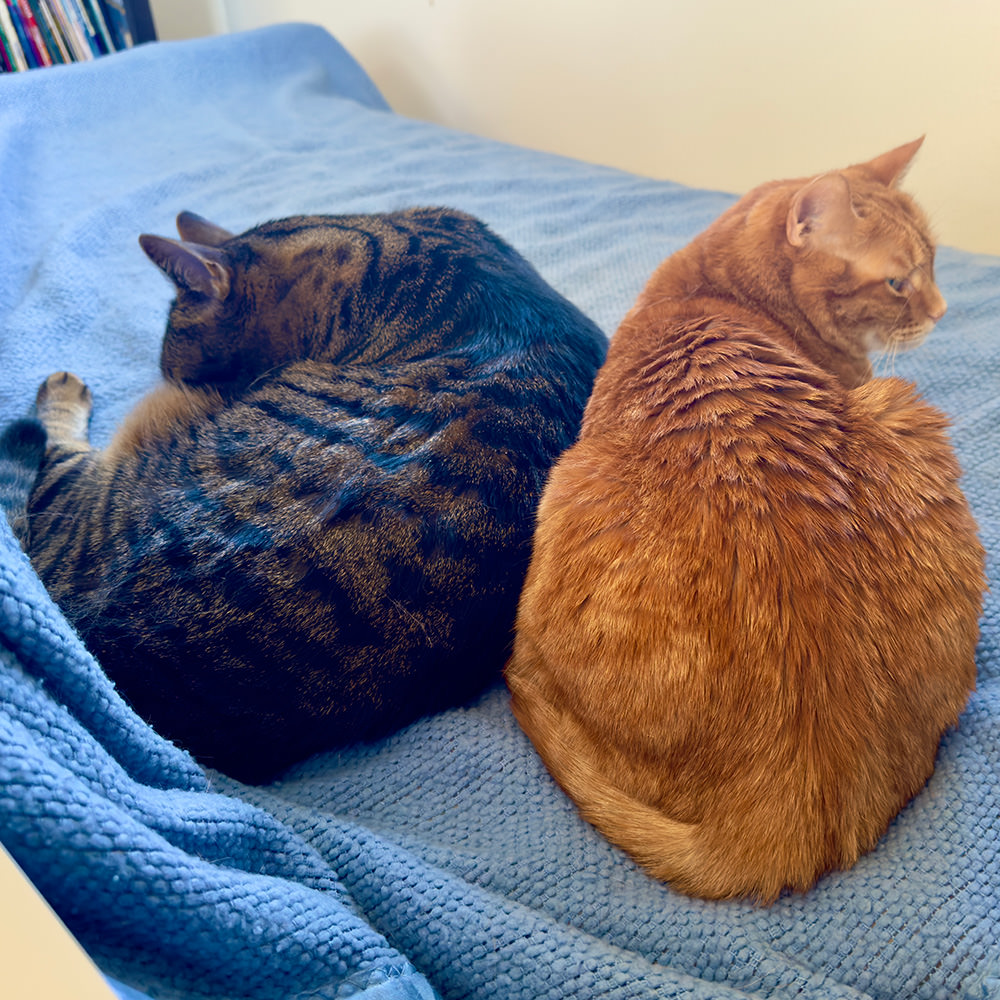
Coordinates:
63 405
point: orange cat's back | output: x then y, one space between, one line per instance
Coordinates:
753 601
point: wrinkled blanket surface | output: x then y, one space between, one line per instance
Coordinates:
442 861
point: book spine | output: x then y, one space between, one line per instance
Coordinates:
99 26
35 37
53 36
79 11
13 57
55 6
117 21
31 61
33 25
72 29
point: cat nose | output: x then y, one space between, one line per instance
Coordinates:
936 305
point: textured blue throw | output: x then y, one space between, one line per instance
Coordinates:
442 861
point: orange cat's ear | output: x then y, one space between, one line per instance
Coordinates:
821 216
890 167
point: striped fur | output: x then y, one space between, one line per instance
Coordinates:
22 446
316 528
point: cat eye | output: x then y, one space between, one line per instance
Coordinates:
898 285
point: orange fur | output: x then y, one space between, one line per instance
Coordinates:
753 602
170 408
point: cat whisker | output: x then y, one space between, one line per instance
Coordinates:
653 303
264 376
886 358
892 344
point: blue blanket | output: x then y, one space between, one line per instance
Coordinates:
442 861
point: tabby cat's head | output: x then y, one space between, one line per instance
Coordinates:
340 288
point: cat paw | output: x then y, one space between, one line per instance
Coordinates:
63 405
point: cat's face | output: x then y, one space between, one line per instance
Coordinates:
863 259
896 275
877 285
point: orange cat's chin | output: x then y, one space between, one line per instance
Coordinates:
878 341
910 339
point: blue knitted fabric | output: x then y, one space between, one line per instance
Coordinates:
442 861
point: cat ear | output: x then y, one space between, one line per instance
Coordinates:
821 216
196 229
890 167
190 266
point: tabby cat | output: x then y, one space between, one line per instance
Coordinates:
316 528
753 601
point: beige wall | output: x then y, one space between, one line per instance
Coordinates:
40 958
188 18
714 93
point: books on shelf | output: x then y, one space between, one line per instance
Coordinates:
36 33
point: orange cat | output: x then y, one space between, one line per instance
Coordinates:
753 603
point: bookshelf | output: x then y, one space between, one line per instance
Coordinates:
39 33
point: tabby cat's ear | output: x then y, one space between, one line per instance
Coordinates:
821 216
196 229
890 167
192 267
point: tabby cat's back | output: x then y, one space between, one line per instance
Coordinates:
316 529
753 602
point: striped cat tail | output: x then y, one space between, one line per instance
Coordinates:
22 446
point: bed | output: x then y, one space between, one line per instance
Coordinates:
442 861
